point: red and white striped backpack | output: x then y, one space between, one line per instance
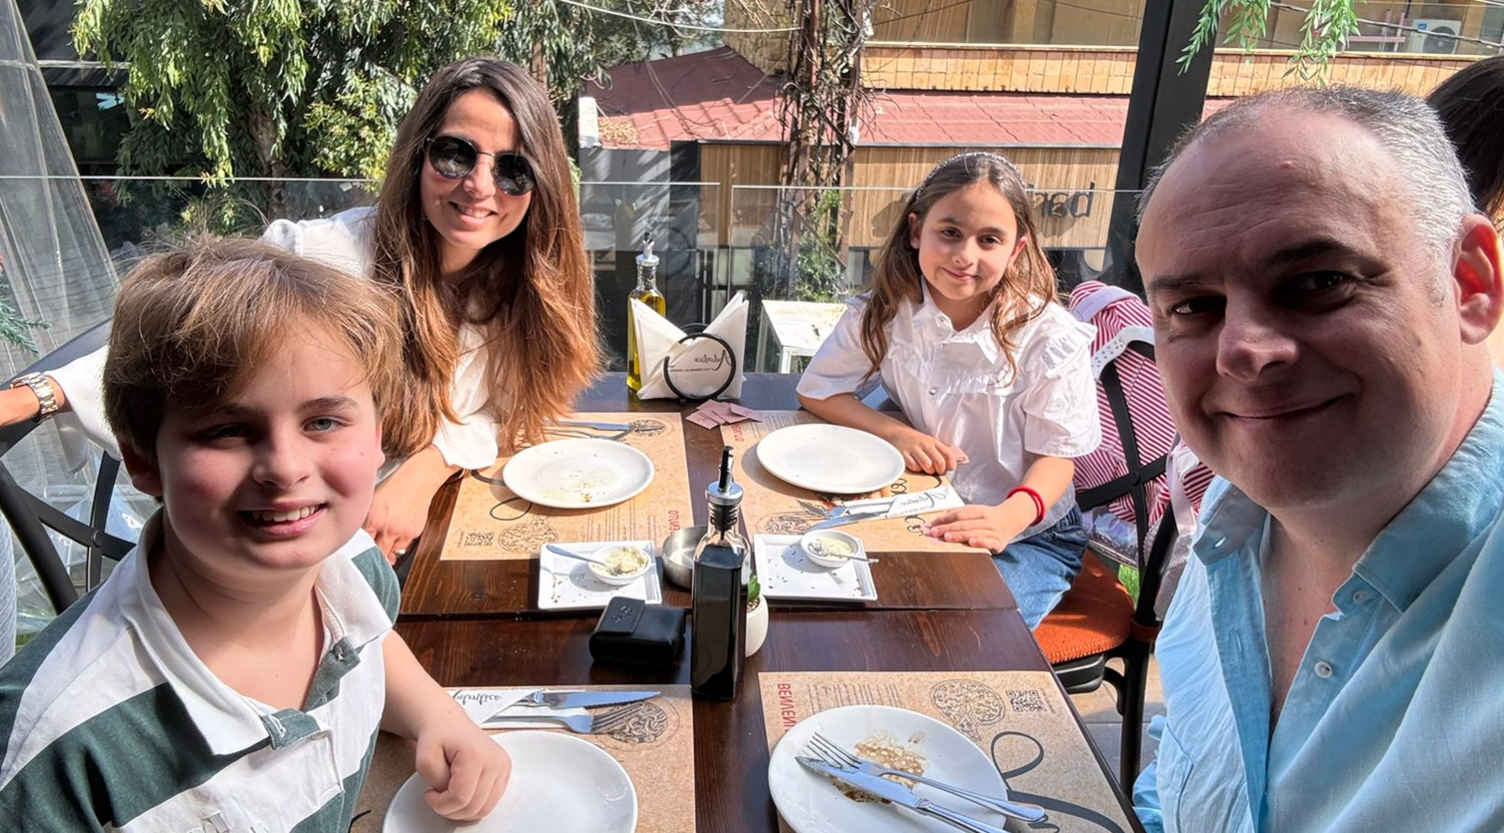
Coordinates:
1126 501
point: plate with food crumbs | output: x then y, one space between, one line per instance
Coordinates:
567 584
578 473
893 737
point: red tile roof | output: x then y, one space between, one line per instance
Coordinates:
719 96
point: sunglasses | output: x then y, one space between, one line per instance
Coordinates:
454 158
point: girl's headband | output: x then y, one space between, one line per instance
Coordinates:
971 154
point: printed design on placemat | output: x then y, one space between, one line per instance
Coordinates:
786 524
648 723
967 705
529 537
648 427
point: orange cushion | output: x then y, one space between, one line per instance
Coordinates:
1094 616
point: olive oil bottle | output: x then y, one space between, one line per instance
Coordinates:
646 292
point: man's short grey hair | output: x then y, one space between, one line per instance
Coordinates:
1404 125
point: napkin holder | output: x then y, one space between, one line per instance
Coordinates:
705 370
632 632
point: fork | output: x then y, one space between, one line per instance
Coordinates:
836 755
581 724
586 433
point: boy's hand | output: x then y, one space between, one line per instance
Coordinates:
980 525
466 769
921 452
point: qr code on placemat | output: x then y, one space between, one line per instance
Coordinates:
1027 701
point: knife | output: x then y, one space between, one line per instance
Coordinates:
599 426
582 699
898 794
850 518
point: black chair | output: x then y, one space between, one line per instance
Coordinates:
30 516
1097 620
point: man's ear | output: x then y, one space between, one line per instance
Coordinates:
145 475
1480 298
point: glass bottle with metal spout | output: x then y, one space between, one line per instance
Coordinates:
646 292
718 606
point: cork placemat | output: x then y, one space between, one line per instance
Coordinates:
1019 718
656 747
490 522
771 506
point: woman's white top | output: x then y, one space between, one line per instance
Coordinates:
345 241
956 386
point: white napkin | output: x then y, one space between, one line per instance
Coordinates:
937 499
658 338
482 704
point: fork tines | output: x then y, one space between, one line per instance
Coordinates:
831 752
612 720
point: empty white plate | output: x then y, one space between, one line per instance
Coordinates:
560 784
578 473
830 458
812 803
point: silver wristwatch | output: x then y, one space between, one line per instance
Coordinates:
42 387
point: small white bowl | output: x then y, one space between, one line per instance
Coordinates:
822 556
624 578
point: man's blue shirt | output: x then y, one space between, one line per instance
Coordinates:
1395 717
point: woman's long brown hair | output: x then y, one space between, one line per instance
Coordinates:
530 294
896 275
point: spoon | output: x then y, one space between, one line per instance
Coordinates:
615 571
818 547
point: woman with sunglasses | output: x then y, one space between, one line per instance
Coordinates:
477 228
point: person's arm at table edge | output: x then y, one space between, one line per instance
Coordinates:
466 770
399 511
993 527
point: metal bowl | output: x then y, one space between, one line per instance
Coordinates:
678 555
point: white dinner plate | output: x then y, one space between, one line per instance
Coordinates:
830 458
578 473
811 803
560 784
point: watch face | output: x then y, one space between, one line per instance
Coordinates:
701 366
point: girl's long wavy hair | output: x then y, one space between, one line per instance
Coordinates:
530 294
896 275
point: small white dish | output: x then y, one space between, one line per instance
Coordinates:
832 548
785 571
810 803
559 783
567 584
622 578
830 459
578 473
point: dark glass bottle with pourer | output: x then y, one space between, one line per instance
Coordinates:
719 602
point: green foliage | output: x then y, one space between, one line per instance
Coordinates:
821 269
226 88
1328 25
16 329
754 591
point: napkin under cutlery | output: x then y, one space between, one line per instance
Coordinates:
937 499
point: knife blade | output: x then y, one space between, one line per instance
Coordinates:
845 519
583 699
599 426
898 794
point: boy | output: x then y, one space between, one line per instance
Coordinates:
232 673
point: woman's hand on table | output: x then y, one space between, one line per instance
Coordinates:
980 525
466 771
921 452
399 510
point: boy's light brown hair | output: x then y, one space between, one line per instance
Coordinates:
193 325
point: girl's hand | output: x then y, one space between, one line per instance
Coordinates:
921 452
988 527
466 770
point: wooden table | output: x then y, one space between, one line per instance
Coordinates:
473 623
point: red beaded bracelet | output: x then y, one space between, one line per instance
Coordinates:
1038 502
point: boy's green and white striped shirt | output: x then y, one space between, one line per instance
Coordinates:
110 722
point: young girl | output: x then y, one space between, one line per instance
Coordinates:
962 326
477 231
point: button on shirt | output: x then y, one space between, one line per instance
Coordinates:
957 387
1394 720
